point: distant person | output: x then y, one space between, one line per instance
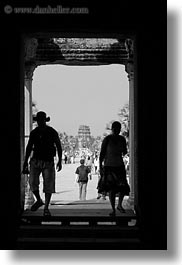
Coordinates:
96 169
65 158
82 173
62 156
89 165
83 156
72 159
43 142
112 168
96 164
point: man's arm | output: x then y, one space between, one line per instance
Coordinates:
102 152
124 146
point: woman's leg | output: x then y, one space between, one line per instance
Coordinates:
121 197
112 195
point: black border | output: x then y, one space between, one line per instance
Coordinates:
148 23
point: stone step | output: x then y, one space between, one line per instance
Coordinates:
82 231
91 216
78 243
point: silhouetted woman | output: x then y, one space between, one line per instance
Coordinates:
112 167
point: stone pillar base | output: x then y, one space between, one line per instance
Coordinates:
29 198
130 202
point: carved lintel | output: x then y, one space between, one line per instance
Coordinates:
30 48
129 47
29 69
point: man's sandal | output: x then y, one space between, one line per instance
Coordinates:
37 205
121 210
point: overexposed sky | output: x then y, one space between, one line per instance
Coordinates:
80 95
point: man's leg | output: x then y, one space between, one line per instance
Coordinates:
80 190
38 203
47 200
35 171
37 195
48 175
84 191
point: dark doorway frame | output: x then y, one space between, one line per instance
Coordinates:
131 71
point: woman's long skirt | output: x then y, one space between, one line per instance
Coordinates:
114 179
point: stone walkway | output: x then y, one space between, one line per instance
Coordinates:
66 196
65 202
67 189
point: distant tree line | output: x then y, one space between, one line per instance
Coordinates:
123 117
70 142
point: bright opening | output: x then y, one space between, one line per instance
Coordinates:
74 97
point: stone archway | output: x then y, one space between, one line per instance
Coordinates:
84 51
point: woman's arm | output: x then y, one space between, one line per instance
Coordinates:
103 151
124 147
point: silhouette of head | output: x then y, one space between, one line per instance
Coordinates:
116 127
41 118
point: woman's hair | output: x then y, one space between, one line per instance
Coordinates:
116 124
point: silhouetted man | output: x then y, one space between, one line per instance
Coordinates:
43 142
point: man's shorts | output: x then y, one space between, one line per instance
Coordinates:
48 173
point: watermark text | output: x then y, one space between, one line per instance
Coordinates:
59 9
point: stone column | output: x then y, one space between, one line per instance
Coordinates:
29 54
130 70
29 199
28 101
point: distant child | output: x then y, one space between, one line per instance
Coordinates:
82 173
